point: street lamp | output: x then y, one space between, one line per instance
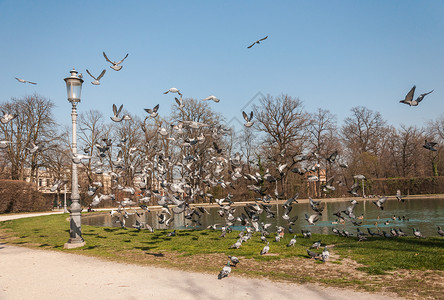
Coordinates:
65 181
74 88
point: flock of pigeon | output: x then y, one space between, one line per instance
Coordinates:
220 170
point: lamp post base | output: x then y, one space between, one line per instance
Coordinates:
73 245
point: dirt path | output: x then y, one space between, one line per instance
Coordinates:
38 274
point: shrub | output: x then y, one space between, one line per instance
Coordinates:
20 196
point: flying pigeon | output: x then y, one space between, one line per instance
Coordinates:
399 196
212 97
7 117
409 97
115 65
248 119
179 102
429 145
173 90
96 80
153 112
257 42
24 81
116 112
380 202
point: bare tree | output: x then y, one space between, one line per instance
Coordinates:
322 139
34 125
364 134
283 121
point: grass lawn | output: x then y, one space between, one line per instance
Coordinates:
408 266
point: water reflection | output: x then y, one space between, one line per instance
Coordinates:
425 214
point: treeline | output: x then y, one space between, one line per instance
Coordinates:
194 147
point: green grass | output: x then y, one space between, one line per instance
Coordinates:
206 251
378 255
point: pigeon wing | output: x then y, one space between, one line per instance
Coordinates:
263 38
409 96
121 61
101 74
106 57
156 108
90 74
120 109
419 99
245 116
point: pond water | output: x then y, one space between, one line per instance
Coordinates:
424 214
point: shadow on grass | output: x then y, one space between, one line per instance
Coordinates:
44 245
149 243
155 254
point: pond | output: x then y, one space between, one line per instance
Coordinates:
425 214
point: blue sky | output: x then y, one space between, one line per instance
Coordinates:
330 54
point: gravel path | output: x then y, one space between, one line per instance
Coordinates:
39 274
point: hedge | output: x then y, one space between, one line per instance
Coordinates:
20 196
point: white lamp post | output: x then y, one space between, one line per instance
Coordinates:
65 180
74 88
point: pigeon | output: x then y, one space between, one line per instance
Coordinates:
4 144
316 245
325 254
179 102
257 42
248 119
380 202
353 190
33 148
234 260
24 81
312 254
152 112
236 245
173 90
312 219
332 157
360 177
7 117
429 145
96 80
292 242
116 112
212 97
398 196
306 233
225 271
265 249
77 158
409 97
440 231
115 65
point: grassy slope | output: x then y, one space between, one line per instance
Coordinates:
378 259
